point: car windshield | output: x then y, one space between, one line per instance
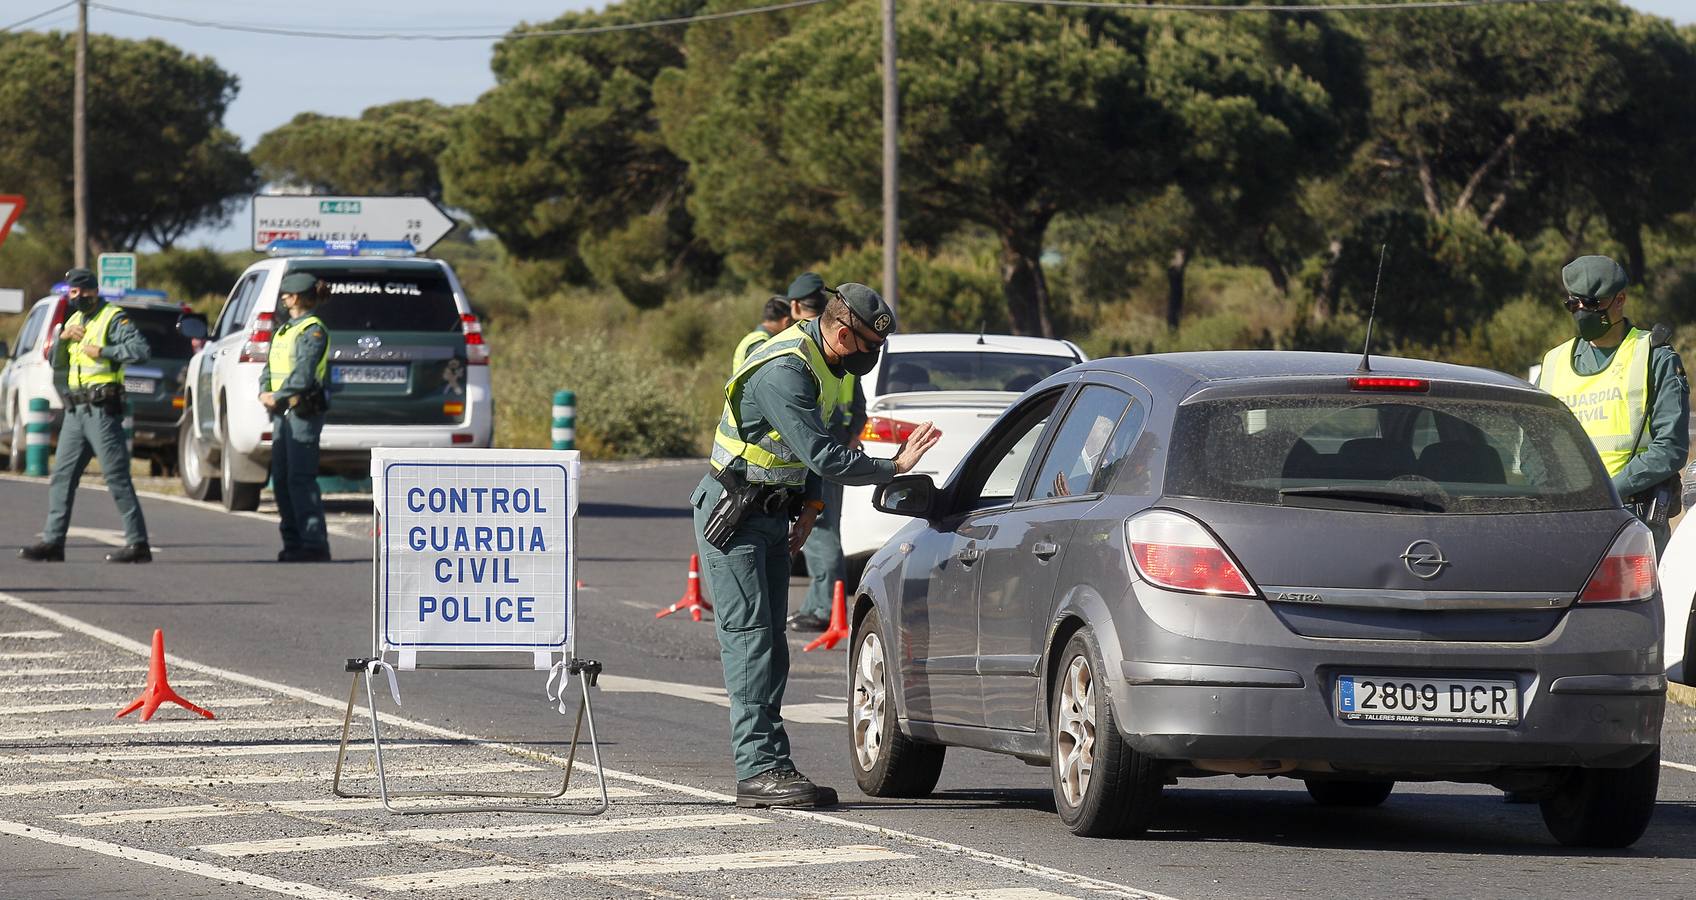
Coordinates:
1425 455
966 370
159 327
386 299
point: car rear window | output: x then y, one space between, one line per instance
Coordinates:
1423 455
159 327
966 370
379 299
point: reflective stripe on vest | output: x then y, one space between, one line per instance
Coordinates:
746 346
769 459
282 351
1613 404
87 370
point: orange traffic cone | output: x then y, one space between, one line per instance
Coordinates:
692 599
157 690
838 623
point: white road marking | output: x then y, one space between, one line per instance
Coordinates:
171 726
197 751
45 673
345 840
142 650
1682 767
672 865
808 713
978 894
214 705
37 654
269 517
37 635
220 779
79 686
176 864
816 712
107 536
328 805
338 804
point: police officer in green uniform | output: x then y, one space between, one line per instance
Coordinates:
1627 388
844 414
773 319
296 391
771 452
95 344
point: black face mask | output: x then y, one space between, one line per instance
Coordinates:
861 363
1592 323
86 305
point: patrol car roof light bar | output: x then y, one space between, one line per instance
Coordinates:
292 247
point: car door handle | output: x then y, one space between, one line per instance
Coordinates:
969 556
1045 549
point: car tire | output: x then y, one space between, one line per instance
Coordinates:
239 496
886 762
1604 807
193 470
1358 794
1102 786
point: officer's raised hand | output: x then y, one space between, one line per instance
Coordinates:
72 332
916 446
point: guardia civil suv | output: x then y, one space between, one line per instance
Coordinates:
408 368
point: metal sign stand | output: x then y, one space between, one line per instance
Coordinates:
587 672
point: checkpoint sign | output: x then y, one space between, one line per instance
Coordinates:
476 549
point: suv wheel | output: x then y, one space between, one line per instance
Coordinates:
1349 793
192 468
1102 787
886 762
239 496
1604 807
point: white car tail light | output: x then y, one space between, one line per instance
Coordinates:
258 346
1627 573
476 352
1174 551
53 328
884 430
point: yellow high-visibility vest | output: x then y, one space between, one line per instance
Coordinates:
282 351
769 459
1613 404
86 370
746 346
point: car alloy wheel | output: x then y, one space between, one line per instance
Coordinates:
868 701
1074 737
886 762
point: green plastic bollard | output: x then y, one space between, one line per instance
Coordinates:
564 429
38 437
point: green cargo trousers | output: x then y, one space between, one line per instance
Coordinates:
823 552
88 434
749 590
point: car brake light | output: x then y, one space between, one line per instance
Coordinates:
53 329
258 346
886 431
1174 551
1380 383
476 352
1627 573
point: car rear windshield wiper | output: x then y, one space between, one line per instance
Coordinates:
1375 495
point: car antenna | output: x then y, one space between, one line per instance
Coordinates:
1366 351
983 326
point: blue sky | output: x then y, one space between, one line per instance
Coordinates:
282 76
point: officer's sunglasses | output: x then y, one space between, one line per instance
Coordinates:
1575 302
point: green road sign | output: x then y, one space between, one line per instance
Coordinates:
117 270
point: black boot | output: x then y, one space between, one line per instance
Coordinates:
305 554
42 552
134 553
782 787
807 622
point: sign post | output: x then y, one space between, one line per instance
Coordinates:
297 218
116 270
474 551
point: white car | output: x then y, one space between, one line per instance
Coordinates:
29 374
408 368
961 382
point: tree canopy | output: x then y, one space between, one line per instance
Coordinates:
389 150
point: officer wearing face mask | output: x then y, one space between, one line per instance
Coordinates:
771 453
1627 389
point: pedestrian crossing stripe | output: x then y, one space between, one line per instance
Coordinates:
89 706
91 686
345 840
221 779
327 805
666 865
170 726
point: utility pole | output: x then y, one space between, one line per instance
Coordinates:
891 178
79 139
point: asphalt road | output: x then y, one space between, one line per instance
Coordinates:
269 641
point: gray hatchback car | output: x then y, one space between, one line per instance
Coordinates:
1270 563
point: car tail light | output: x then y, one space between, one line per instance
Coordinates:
1627 573
462 438
1381 383
258 346
476 352
53 328
886 430
1174 551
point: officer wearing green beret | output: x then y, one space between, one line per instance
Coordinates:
844 414
1627 388
773 319
94 345
771 452
295 388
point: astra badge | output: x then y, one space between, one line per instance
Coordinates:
369 342
1424 559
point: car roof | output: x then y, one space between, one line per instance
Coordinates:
1172 369
148 303
991 343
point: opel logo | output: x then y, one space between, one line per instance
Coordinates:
369 342
1424 559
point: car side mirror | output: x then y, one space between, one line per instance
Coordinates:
192 326
906 495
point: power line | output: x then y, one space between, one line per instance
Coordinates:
40 15
413 36
1283 8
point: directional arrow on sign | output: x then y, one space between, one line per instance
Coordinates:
11 206
415 219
